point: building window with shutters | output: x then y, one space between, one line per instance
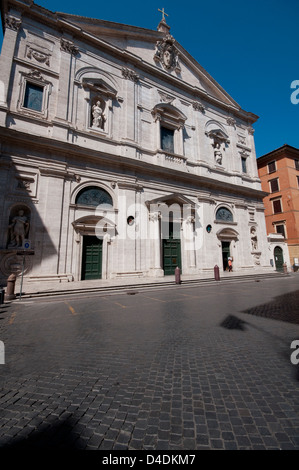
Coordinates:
272 167
277 207
274 187
296 164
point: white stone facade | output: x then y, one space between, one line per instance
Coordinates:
100 122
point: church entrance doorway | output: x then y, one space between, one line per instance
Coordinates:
172 251
278 257
225 254
92 258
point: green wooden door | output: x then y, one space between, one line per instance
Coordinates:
278 257
92 258
171 248
171 256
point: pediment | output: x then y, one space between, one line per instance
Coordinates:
99 86
169 113
169 200
155 49
227 234
91 220
94 225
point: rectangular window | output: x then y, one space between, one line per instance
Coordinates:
280 229
244 167
296 164
272 167
277 206
33 97
167 139
274 185
298 181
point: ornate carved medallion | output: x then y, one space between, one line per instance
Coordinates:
166 53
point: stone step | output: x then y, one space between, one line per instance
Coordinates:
133 288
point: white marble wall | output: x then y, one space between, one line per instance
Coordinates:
68 152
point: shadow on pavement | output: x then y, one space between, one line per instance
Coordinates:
59 436
284 308
233 323
3 309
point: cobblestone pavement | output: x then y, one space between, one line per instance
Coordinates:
179 369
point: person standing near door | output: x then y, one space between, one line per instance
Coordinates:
230 265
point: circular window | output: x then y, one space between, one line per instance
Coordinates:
130 220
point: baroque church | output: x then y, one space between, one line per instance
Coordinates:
120 156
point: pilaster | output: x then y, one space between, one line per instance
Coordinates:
12 26
155 239
131 79
68 51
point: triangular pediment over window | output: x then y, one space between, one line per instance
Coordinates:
170 199
99 86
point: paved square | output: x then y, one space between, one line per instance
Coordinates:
179 368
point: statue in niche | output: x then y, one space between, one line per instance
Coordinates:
219 143
18 230
253 239
98 117
218 153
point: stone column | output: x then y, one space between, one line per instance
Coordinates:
105 258
155 244
189 245
12 25
138 228
190 241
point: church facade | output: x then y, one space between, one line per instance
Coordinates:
120 155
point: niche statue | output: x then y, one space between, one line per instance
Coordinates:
18 230
98 118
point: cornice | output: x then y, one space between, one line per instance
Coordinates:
61 149
44 70
284 151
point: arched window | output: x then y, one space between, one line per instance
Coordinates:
94 196
224 215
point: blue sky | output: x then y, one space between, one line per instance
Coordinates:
250 48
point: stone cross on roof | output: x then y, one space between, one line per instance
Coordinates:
163 13
163 26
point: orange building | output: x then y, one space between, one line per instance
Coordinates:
279 174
